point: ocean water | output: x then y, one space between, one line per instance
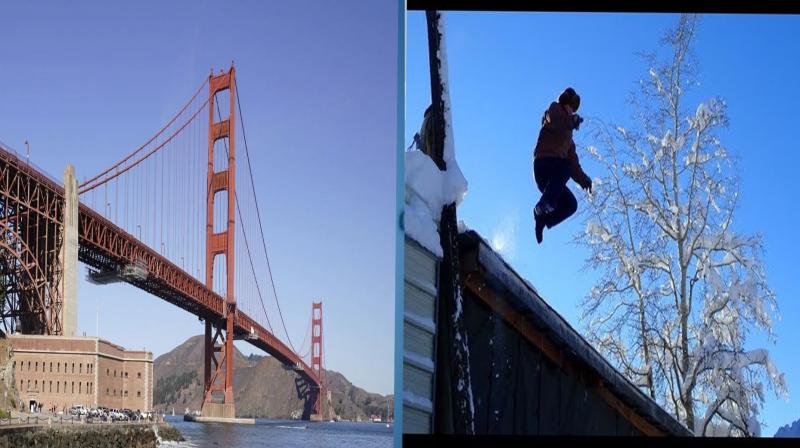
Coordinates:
282 433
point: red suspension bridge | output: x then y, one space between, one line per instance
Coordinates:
174 218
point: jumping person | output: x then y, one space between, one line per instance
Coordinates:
555 162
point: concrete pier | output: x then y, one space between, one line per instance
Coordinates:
69 256
201 419
218 413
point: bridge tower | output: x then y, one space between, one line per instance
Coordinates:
218 359
316 355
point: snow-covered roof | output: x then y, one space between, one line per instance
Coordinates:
525 300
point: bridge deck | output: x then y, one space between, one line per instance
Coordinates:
107 247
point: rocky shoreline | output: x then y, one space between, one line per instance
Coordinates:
141 435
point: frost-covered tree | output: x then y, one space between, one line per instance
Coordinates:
680 289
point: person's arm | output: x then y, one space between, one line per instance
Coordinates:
576 171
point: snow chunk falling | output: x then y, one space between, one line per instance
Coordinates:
504 236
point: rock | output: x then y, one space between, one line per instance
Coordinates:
90 436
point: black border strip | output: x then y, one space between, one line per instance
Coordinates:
654 6
512 441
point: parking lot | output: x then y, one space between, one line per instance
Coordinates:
83 415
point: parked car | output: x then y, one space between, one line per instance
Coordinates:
78 410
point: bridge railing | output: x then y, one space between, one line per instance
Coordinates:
24 160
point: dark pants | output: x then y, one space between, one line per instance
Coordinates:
551 175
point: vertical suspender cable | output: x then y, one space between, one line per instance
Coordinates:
258 214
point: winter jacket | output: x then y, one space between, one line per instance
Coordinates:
555 140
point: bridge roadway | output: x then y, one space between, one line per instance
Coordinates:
108 248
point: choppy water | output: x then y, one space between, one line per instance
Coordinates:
283 433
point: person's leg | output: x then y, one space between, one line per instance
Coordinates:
567 206
541 174
552 175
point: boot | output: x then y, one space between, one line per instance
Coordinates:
539 228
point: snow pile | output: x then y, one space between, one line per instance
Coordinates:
428 189
424 200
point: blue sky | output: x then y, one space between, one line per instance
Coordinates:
505 68
86 83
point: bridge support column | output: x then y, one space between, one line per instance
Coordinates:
218 370
316 358
218 367
68 290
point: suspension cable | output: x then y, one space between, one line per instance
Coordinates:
305 339
148 141
247 246
258 215
87 188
